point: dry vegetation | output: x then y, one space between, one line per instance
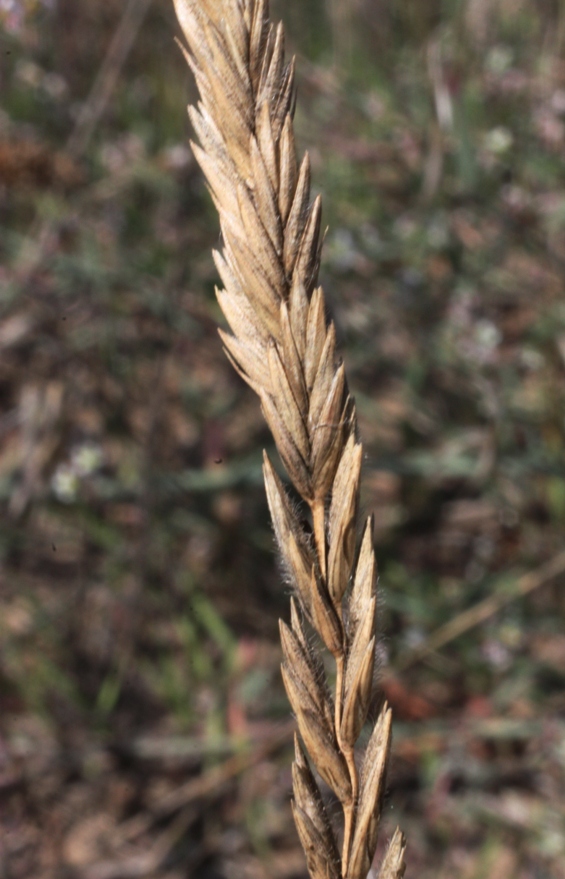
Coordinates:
284 348
144 727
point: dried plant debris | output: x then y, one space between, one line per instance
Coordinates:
283 346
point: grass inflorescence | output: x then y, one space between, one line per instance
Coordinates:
282 344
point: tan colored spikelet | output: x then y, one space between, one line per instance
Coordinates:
282 344
393 865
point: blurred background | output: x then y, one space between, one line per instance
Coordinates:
144 731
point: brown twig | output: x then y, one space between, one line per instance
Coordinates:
104 84
40 236
480 612
204 785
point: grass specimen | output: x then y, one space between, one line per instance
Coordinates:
283 346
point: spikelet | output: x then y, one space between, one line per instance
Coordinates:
283 346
